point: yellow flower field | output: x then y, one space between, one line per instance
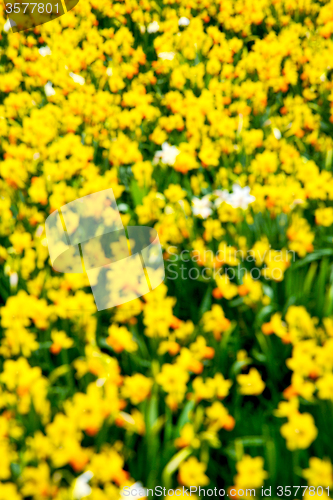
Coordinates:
212 121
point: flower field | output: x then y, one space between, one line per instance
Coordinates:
212 121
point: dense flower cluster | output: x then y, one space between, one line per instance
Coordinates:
212 121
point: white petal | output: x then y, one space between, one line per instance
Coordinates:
183 21
10 23
277 133
166 56
45 51
49 90
153 27
77 78
13 280
81 487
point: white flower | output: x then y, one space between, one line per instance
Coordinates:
134 491
49 90
45 51
153 27
100 382
166 55
183 21
81 486
222 195
10 23
167 155
182 204
39 231
202 207
123 207
296 202
277 133
240 197
168 209
13 280
77 78
36 156
109 72
130 420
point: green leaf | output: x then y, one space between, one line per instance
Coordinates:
185 415
173 465
59 372
206 302
311 274
311 257
137 193
328 310
152 413
251 441
238 365
264 313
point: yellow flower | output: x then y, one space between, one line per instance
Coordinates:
250 472
60 341
300 323
215 321
37 482
222 386
121 339
8 455
203 389
219 418
187 437
325 386
192 473
89 410
324 216
251 384
312 493
213 229
259 250
17 341
142 172
300 236
107 465
20 241
319 473
28 384
275 325
133 422
287 408
172 378
9 490
169 346
300 431
277 262
174 193
136 388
